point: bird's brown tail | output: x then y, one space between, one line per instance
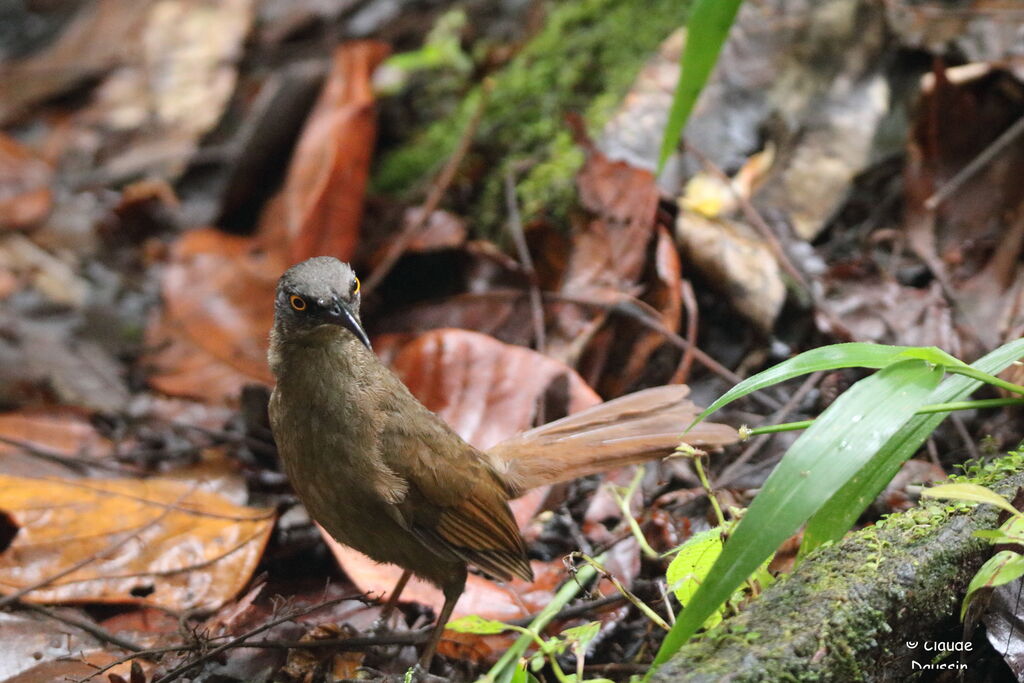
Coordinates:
633 429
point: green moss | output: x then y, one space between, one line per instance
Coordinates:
847 601
582 60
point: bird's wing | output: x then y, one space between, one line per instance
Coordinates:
456 503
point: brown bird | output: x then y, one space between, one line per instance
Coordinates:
386 476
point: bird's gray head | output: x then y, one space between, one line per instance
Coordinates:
319 291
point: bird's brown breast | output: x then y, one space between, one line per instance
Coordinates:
382 473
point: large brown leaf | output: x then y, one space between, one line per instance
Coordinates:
323 194
607 259
52 436
156 541
636 342
485 389
211 337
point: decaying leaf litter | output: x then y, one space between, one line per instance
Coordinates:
849 173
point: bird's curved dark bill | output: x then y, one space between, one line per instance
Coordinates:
343 316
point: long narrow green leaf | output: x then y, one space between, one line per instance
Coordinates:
817 465
971 493
840 513
833 357
706 30
850 355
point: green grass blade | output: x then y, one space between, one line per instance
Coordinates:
706 29
814 468
850 355
841 512
971 493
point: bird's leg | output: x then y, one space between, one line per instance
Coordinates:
389 606
452 593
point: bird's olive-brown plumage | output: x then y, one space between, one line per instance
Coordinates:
386 476
373 466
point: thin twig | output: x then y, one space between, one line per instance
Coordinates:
515 227
976 164
444 180
965 436
637 602
644 314
729 473
75 463
95 630
576 610
178 671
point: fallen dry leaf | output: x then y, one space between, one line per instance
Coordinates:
498 313
486 390
174 78
884 311
38 649
211 337
637 343
65 433
25 195
483 597
323 193
607 256
92 43
152 541
738 261
968 241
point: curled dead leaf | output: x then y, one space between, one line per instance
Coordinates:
737 261
323 193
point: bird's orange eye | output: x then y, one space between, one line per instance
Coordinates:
297 302
355 286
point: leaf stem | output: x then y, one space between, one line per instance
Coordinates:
950 407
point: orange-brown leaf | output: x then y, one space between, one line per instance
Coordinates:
25 195
486 390
156 541
210 339
323 193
